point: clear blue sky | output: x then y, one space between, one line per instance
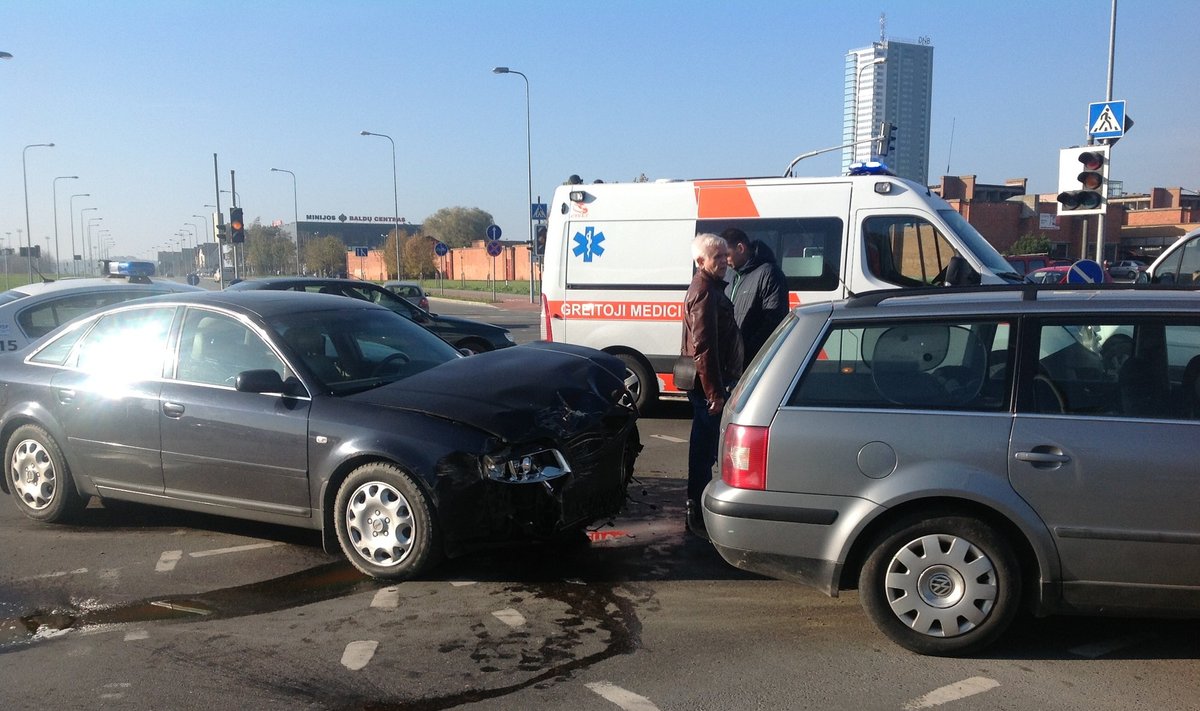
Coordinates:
138 96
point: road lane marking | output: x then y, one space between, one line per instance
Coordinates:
953 692
167 561
1099 649
669 438
136 635
461 583
358 654
387 597
234 549
57 574
510 617
114 695
621 697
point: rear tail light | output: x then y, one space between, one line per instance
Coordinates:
744 457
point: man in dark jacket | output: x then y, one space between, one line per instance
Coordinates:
758 290
710 336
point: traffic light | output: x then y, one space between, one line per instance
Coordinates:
885 143
221 234
1083 180
237 229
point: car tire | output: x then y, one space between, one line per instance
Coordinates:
385 523
946 586
474 345
640 381
38 476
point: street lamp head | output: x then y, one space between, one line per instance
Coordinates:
365 133
67 177
500 70
5 55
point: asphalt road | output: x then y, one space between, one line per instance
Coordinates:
140 608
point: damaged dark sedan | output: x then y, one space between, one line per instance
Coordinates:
321 412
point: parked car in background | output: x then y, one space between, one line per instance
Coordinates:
1025 263
31 311
1126 269
1056 275
474 336
1178 264
410 290
958 456
320 412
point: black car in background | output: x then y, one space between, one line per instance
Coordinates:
474 336
320 412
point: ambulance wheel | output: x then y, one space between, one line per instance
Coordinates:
639 380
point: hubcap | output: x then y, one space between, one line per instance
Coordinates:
380 524
941 585
32 474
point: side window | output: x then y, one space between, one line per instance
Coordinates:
1189 265
214 348
905 250
807 249
928 366
1118 369
127 345
43 318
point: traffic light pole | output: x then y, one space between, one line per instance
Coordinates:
788 173
1112 43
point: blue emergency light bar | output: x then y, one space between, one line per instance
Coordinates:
127 269
869 167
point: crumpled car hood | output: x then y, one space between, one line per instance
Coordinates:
528 392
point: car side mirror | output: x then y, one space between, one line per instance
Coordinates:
1141 278
259 381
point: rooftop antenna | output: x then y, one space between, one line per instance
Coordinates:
953 121
882 27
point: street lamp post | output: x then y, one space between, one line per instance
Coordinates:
237 199
857 93
74 271
528 167
395 197
296 213
199 249
54 190
195 242
25 184
90 224
88 268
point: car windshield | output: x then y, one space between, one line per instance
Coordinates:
353 350
978 246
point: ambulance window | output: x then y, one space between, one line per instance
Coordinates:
808 250
905 250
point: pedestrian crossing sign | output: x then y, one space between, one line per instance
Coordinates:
1106 119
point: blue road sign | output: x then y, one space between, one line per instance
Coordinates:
538 211
440 249
360 251
1106 119
1085 271
494 248
493 232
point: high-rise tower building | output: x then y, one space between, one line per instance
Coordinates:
891 82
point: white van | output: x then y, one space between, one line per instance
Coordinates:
618 255
1179 264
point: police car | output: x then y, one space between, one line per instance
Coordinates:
29 312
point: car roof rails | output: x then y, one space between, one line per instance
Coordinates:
1029 291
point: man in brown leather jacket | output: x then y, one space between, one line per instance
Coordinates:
710 336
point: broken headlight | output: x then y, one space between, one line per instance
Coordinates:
530 467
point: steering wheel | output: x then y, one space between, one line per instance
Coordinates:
394 362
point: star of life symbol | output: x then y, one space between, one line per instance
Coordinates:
587 244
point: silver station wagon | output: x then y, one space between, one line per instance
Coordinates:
961 456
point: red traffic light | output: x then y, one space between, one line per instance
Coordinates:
1092 160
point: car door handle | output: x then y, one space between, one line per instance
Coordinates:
172 409
1042 457
65 396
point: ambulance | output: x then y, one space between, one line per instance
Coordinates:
618 262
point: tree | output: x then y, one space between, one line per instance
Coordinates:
267 250
325 256
1030 244
457 226
418 255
